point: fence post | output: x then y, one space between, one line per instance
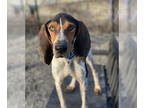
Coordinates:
37 12
112 74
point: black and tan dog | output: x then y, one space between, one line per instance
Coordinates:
65 42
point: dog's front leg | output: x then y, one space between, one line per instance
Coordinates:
58 76
60 94
71 86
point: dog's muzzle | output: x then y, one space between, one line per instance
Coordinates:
60 48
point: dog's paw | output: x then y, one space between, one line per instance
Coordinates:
63 106
97 90
69 89
84 106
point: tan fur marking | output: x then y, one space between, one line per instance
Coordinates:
70 34
54 34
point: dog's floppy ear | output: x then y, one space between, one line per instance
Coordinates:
46 52
82 43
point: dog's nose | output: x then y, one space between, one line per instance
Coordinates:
61 47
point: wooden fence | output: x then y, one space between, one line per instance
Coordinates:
128 73
121 73
112 75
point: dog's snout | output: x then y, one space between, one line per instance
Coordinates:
61 47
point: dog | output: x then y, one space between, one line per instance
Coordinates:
65 42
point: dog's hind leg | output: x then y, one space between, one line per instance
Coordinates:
58 76
71 86
90 62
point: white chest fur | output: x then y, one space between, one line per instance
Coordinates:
62 67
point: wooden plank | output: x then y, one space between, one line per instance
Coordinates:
73 100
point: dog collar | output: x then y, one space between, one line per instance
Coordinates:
70 56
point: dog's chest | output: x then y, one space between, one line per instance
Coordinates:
62 68
65 66
70 66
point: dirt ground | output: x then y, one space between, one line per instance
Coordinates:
16 62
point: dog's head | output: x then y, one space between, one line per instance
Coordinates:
62 35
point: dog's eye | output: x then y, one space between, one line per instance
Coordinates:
71 28
52 28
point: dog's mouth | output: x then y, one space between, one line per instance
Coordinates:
59 56
67 55
63 51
